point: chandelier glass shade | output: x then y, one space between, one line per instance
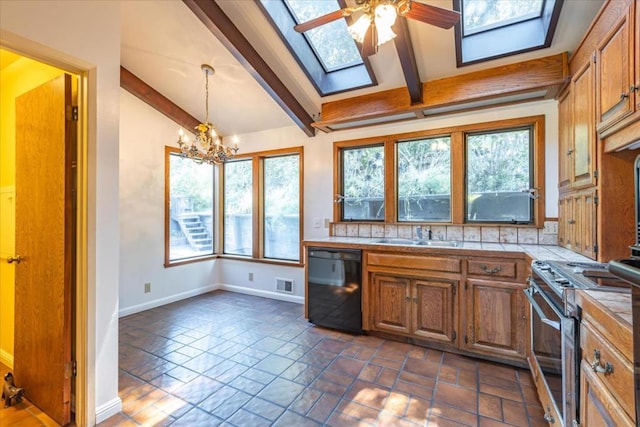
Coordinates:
208 146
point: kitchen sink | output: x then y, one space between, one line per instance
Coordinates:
440 243
433 243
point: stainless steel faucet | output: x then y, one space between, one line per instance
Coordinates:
419 232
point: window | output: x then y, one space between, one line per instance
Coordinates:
328 54
478 173
189 230
262 204
363 183
424 179
238 208
492 29
499 176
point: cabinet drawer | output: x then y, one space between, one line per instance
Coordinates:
618 382
414 262
506 269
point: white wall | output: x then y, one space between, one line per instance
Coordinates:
86 35
143 134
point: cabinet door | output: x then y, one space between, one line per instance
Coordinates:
435 314
566 223
392 303
586 224
583 90
614 63
565 143
597 406
496 318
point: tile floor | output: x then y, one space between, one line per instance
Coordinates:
230 359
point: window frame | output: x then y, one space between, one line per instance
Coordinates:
258 212
325 82
506 40
168 152
458 171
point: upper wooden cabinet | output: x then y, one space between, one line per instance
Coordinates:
583 152
565 142
615 72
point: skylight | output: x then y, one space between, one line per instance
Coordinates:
492 29
482 15
328 55
331 42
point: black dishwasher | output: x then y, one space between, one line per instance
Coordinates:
334 279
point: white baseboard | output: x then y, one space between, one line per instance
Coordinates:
261 293
6 358
108 410
167 300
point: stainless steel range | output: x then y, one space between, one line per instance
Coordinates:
555 342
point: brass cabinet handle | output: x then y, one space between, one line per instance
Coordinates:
488 270
633 88
608 367
17 259
572 221
623 96
569 151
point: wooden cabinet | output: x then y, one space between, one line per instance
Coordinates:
583 152
615 66
565 140
496 318
418 297
424 308
606 370
577 222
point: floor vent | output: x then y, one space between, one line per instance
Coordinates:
284 285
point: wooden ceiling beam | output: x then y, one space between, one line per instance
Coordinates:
138 88
404 47
219 24
485 88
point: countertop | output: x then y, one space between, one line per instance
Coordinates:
617 305
546 252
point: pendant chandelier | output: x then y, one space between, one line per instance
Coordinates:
208 146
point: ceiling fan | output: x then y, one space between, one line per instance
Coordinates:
373 28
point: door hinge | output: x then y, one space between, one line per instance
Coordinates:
72 113
595 174
454 336
594 58
455 287
466 340
596 200
595 249
70 369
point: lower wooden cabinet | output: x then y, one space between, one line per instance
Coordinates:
424 308
598 408
577 222
496 318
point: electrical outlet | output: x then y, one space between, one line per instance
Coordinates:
550 227
251 277
316 222
147 287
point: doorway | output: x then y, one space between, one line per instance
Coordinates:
38 232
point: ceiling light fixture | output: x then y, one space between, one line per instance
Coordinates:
380 16
208 146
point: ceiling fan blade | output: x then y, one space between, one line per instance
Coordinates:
433 15
321 20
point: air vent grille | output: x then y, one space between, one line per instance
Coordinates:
284 285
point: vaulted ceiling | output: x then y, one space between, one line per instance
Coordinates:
165 42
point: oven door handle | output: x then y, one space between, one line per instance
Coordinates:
543 317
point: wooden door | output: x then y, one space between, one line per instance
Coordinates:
583 91
614 61
587 224
392 303
45 150
496 318
436 310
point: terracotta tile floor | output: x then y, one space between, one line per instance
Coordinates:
230 359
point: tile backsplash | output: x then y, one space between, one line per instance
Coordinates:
467 233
